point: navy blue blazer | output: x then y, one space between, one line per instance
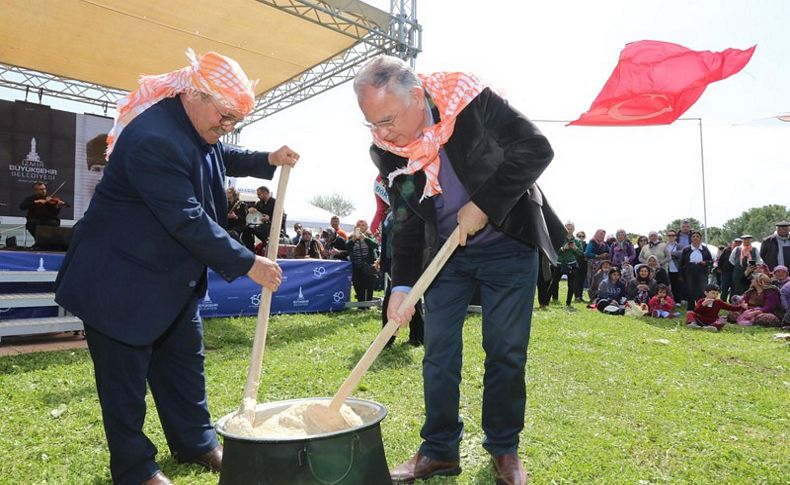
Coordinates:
140 253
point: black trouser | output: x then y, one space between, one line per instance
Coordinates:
363 283
581 277
678 287
172 367
544 285
696 279
556 276
261 231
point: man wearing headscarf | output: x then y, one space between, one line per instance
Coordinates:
136 266
455 153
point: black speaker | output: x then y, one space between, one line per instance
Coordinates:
10 242
53 238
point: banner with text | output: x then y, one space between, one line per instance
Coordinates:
61 149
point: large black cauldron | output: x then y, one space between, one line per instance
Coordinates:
353 456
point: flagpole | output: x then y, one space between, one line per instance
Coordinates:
702 167
701 162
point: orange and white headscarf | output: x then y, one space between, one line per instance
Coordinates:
451 92
211 73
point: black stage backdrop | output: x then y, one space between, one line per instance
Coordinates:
41 144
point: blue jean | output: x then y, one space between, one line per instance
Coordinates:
506 274
173 368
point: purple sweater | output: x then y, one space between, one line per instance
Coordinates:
785 293
620 254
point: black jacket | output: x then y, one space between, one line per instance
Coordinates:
707 257
498 154
769 251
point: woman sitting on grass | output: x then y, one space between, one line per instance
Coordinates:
780 277
763 302
642 288
611 294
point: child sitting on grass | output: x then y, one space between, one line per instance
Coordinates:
706 311
662 305
611 294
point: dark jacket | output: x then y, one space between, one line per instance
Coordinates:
40 212
140 253
769 251
724 264
707 257
498 154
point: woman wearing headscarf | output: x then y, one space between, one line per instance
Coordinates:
764 303
642 287
622 250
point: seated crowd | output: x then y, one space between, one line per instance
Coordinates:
658 277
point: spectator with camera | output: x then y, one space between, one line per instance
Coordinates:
567 264
363 252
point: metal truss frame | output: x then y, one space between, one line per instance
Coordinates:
403 38
40 83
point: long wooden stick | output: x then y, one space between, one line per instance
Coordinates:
248 402
391 327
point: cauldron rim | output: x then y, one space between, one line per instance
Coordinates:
380 415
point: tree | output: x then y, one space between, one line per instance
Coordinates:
759 222
334 203
675 225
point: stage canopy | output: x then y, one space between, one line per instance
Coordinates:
109 43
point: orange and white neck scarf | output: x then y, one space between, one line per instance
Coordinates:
451 92
211 73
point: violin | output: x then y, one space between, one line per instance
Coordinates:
57 201
51 199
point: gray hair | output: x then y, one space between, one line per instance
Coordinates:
387 71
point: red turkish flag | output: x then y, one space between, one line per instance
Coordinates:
655 82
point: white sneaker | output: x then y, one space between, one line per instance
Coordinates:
694 325
710 328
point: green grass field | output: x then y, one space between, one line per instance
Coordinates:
610 399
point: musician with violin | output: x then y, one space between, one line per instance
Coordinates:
237 220
42 209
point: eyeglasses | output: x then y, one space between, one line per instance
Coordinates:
387 123
225 119
672 235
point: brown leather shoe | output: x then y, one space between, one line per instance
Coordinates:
159 478
509 470
211 460
420 467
